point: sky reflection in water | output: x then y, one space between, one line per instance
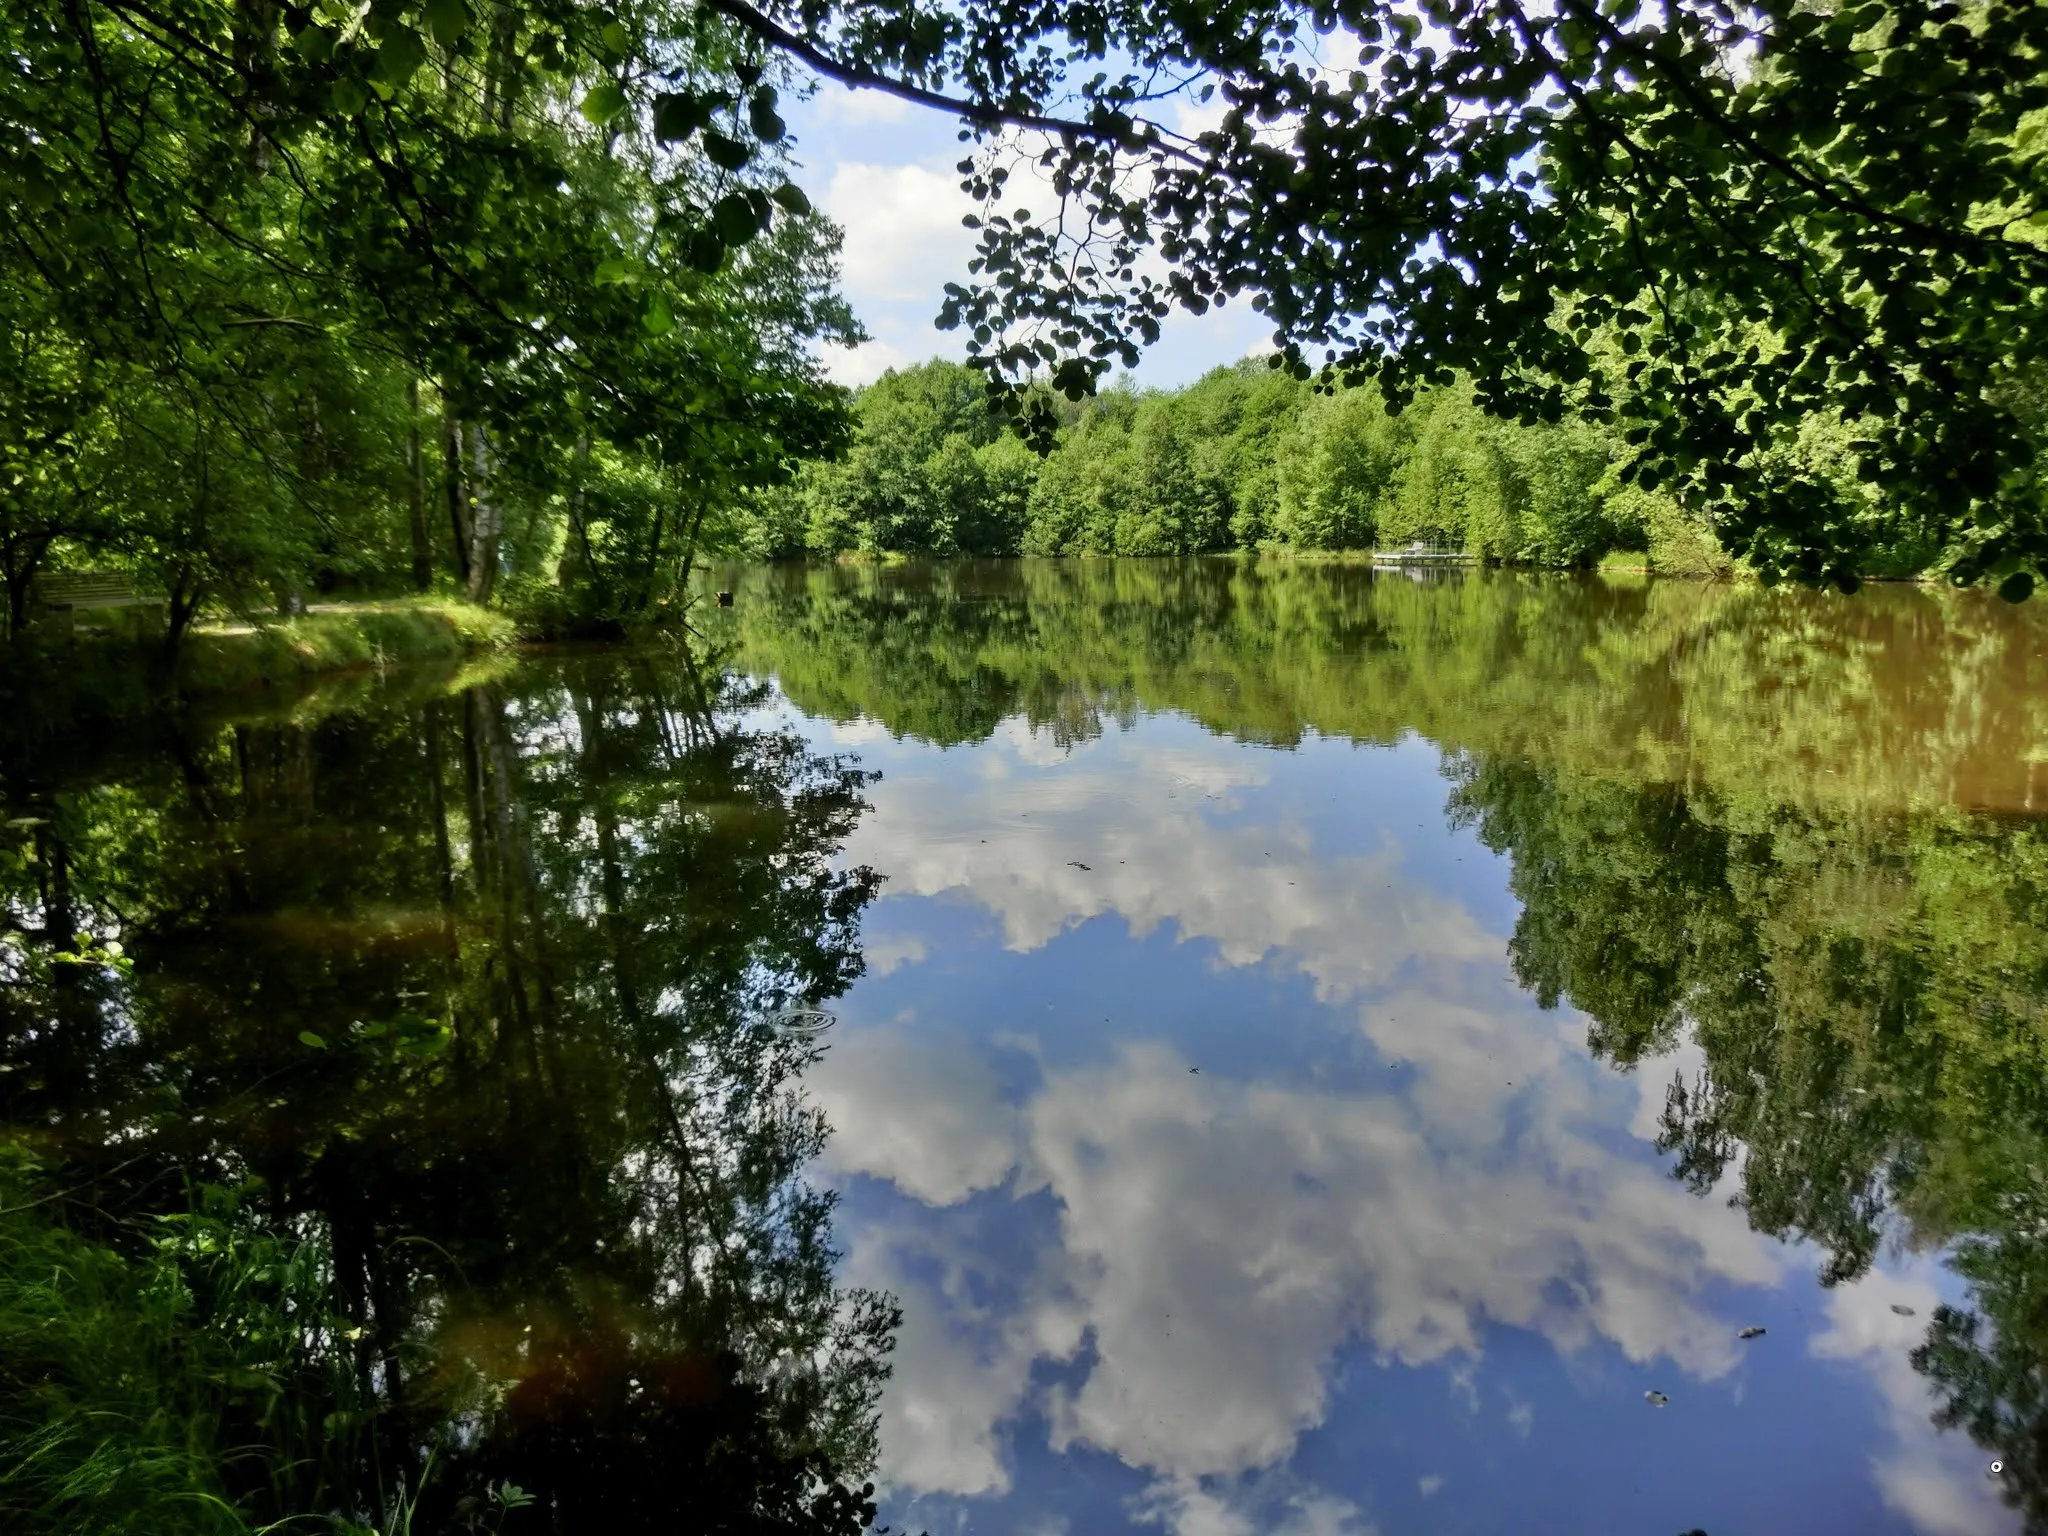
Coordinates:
1359 1062
1231 1183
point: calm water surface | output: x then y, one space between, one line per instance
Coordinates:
1312 1052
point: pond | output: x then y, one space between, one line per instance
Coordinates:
1186 1046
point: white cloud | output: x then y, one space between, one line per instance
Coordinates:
855 366
1132 833
903 234
843 106
1938 1482
1220 1242
925 1113
886 953
1191 1507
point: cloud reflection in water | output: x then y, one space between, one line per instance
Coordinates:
1188 1245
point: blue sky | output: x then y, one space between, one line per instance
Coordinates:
883 169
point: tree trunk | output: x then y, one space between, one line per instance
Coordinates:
23 561
578 565
422 550
486 517
690 548
501 69
458 499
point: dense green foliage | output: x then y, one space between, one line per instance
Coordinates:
257 258
300 301
482 1033
1246 458
1903 695
1711 225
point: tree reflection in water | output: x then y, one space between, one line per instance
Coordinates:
468 1002
1868 992
1799 832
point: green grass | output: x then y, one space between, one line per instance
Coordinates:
170 1376
358 637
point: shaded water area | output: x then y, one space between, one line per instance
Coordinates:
1312 1052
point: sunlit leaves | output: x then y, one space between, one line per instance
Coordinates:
604 104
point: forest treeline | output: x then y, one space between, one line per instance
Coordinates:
519 300
1249 457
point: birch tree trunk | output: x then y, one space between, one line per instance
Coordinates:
486 516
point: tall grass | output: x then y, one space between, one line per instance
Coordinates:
144 1381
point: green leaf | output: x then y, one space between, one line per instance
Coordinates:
734 218
616 39
730 153
618 270
400 57
2017 587
677 115
790 198
307 1037
657 319
349 96
706 252
447 20
604 103
762 118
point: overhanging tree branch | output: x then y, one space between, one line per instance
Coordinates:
987 114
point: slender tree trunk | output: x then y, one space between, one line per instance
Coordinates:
486 516
24 558
643 593
690 545
501 69
185 596
422 549
578 564
458 496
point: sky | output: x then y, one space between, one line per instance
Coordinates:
884 171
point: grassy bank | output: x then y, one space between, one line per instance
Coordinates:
356 637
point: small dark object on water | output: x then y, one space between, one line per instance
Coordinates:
1751 1332
1077 864
725 599
1902 1311
1655 1399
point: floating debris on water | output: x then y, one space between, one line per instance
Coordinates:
1902 1311
1655 1399
1751 1332
1077 864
